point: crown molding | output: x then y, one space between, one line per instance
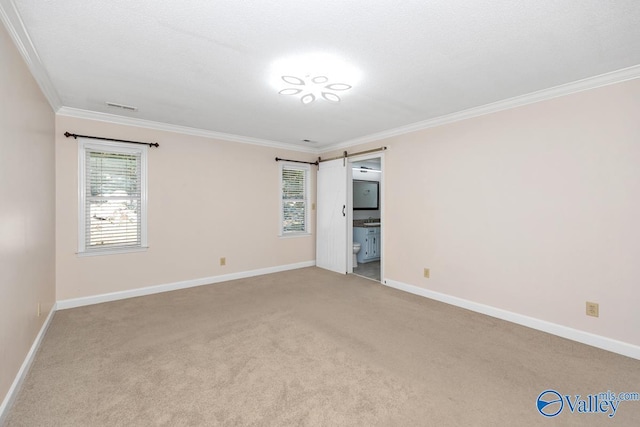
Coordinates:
185 130
606 79
589 83
18 33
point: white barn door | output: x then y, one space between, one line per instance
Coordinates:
331 227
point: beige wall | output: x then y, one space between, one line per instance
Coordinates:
207 199
534 210
27 204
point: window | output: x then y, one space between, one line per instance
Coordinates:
294 191
112 198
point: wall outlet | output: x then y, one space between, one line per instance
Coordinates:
426 273
593 309
39 310
223 261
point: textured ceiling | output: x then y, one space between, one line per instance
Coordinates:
206 64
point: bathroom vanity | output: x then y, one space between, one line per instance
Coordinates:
369 239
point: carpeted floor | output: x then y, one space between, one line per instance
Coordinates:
306 347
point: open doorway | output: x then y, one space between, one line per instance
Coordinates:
365 224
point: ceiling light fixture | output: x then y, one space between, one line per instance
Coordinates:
313 88
313 77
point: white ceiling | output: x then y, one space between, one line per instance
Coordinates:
205 64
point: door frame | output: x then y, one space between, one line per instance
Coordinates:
353 159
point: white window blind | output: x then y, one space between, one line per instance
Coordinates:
112 189
294 199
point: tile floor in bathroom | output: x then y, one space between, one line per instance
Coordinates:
370 270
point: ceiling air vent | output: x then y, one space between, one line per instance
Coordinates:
122 107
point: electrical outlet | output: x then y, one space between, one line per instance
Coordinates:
593 309
426 273
223 261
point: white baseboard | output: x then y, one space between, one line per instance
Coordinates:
623 348
24 369
114 296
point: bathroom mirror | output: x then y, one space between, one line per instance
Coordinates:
366 195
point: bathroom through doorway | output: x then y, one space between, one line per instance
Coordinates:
365 223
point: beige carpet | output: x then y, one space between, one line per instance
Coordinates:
305 348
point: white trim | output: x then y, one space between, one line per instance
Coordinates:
149 290
24 369
294 235
606 79
609 344
15 26
123 250
184 130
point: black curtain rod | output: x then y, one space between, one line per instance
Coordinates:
150 144
278 159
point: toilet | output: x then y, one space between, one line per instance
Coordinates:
356 249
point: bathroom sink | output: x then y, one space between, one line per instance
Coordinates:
372 224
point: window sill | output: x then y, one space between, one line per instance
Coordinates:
293 235
117 251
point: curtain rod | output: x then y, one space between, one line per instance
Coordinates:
150 144
345 154
278 159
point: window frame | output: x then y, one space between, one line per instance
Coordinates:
306 169
85 145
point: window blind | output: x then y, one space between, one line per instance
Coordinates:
113 199
294 199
